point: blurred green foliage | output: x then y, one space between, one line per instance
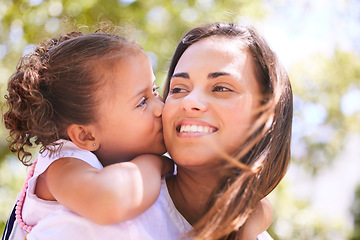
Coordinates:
159 24
355 210
322 85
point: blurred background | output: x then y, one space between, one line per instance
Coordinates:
318 41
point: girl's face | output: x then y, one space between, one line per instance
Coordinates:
211 103
130 112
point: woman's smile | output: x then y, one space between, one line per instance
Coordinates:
194 128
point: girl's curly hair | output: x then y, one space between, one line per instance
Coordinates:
57 85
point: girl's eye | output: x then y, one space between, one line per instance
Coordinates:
155 88
221 89
143 102
155 92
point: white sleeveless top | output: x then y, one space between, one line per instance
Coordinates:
161 221
34 208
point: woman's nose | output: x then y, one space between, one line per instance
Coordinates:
194 102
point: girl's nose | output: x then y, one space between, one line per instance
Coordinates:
194 102
158 107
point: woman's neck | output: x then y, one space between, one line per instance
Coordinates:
190 191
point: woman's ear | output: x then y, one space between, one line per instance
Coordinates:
83 136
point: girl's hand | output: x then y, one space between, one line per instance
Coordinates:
259 221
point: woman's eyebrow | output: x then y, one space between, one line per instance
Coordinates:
217 74
181 75
210 75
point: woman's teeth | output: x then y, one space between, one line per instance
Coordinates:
196 129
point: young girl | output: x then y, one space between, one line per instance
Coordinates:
89 101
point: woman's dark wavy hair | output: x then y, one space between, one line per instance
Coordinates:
58 84
259 165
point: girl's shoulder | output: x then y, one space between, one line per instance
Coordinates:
65 149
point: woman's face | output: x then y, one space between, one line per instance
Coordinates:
211 103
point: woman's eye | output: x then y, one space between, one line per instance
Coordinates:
143 102
221 89
177 90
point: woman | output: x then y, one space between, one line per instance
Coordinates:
226 95
227 124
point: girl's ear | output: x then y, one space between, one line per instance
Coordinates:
83 136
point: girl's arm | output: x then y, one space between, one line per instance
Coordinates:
116 193
259 221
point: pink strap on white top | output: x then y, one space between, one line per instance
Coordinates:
20 202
